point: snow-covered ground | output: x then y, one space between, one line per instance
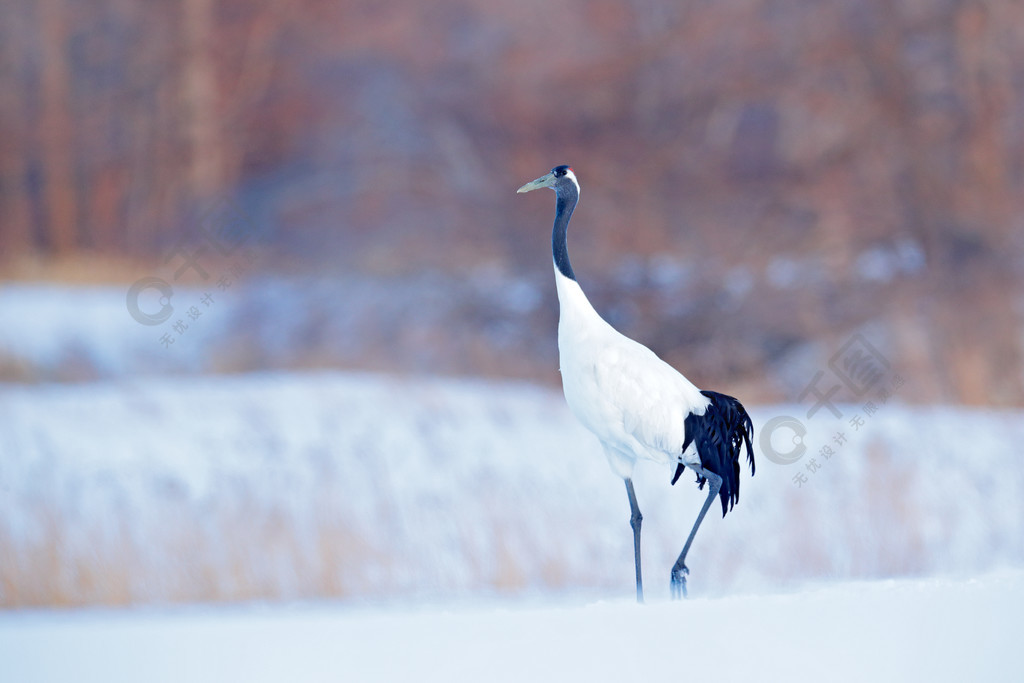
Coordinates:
906 630
55 332
291 486
367 527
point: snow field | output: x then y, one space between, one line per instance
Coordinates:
905 630
292 486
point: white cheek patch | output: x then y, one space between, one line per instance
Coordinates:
572 176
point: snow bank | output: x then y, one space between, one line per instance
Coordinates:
60 333
908 630
83 333
301 486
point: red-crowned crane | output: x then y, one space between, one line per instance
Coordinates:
637 405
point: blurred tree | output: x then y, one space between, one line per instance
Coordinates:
806 167
56 135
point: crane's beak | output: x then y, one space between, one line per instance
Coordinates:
544 181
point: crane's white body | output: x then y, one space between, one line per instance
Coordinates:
634 402
637 405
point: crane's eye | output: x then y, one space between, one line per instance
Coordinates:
559 172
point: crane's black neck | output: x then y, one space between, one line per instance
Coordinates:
566 197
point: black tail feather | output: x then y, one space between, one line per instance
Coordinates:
720 435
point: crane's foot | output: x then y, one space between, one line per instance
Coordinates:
679 574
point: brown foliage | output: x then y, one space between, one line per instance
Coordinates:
769 150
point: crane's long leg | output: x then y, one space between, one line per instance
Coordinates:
679 570
635 520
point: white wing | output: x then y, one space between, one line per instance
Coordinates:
652 398
630 398
619 389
